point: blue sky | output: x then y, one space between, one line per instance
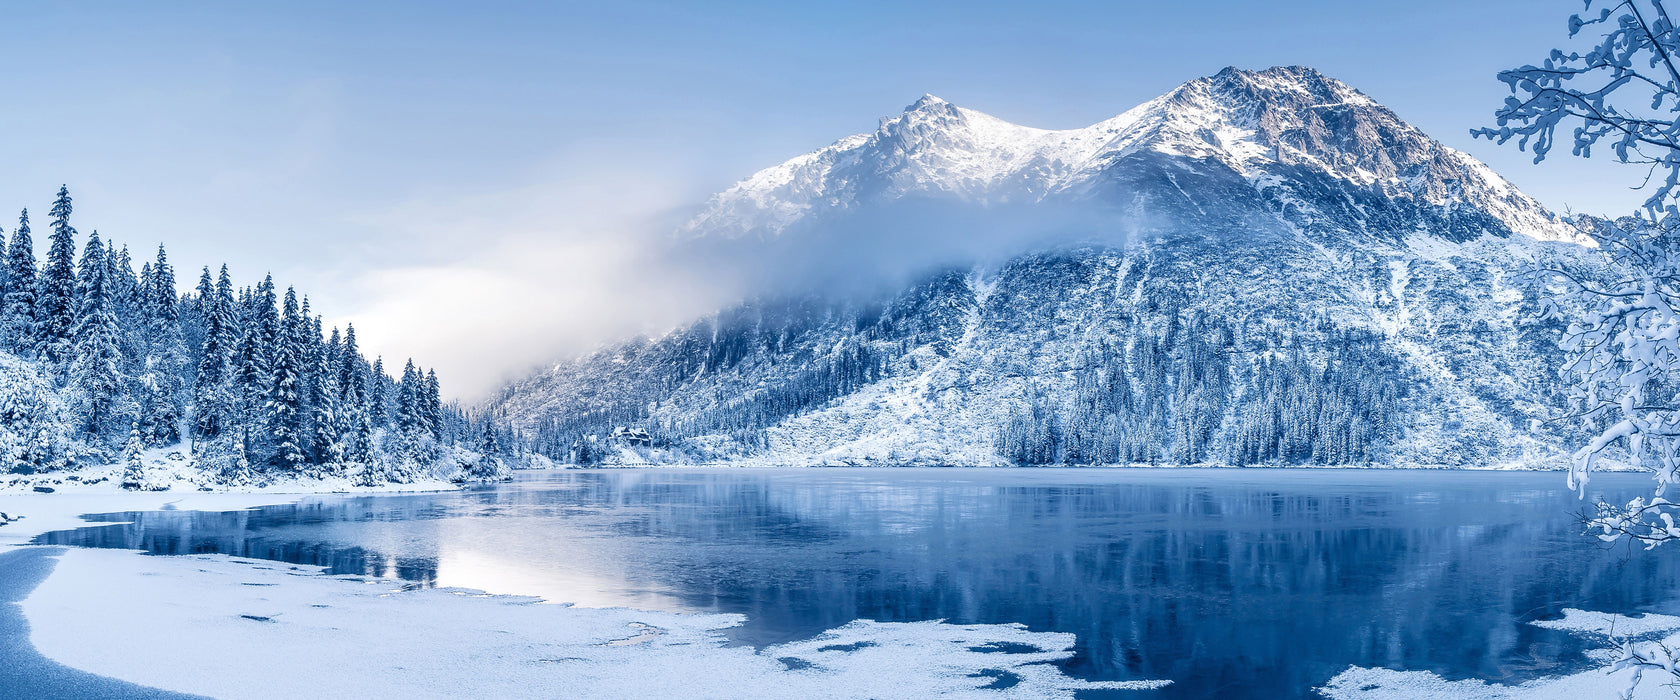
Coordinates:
410 163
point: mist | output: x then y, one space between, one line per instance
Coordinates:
516 281
511 281
883 247
568 270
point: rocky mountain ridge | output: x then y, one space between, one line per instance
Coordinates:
1272 268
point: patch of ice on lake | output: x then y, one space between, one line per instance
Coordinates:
1610 624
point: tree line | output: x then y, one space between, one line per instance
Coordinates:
246 374
1190 394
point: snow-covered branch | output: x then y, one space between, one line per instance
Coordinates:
1625 356
1590 94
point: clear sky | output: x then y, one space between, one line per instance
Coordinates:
471 183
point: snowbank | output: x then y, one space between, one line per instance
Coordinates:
36 513
1388 684
106 479
233 628
31 504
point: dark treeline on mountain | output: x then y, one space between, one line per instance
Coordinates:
99 358
1191 395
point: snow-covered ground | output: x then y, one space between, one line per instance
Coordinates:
169 470
31 504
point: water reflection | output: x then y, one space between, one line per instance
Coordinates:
1236 584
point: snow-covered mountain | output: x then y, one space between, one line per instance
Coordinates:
1263 126
1270 267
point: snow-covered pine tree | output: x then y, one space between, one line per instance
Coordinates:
133 461
306 339
487 442
126 304
350 375
96 363
321 375
326 424
358 442
56 290
283 402
17 307
142 311
432 405
213 403
249 382
163 382
489 464
411 403
265 314
355 424
192 327
380 398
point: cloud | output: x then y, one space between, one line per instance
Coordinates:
494 285
489 287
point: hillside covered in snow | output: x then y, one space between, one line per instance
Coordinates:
1258 267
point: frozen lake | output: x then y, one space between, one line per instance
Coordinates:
1231 583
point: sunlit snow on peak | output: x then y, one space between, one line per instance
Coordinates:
1253 122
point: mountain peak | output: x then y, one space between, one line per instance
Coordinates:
1269 126
1299 74
926 102
1287 87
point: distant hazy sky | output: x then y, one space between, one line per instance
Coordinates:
473 183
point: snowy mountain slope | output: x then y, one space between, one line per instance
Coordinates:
1279 271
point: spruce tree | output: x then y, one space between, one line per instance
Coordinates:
125 300
488 442
283 400
411 416
163 384
212 403
95 368
432 405
56 293
327 425
140 299
134 465
354 423
205 291
379 394
350 379
162 303
319 385
250 381
17 308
